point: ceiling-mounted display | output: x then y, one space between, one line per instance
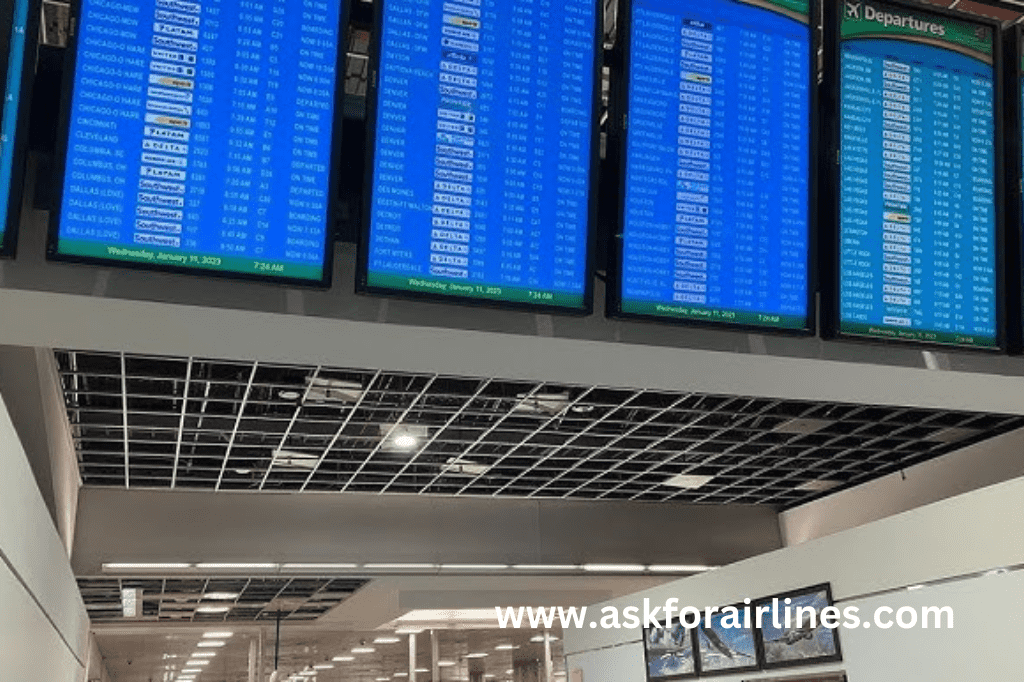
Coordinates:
717 164
202 136
918 245
483 147
18 29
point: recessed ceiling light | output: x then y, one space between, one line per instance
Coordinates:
546 567
342 659
509 672
198 661
289 395
210 643
192 670
478 654
145 567
382 679
363 650
217 634
243 472
422 670
612 568
474 567
445 664
386 640
235 567
204 654
401 675
213 609
323 666
658 568
686 481
505 647
405 441
220 595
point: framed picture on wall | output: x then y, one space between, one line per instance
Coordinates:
791 632
724 644
668 652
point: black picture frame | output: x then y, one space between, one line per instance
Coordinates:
362 285
787 647
13 198
714 643
332 197
675 633
620 105
831 240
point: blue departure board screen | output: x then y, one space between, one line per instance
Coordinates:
201 136
715 217
917 211
484 132
14 20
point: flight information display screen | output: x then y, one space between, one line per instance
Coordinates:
14 20
917 207
715 216
201 136
483 150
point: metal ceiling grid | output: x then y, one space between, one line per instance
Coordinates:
163 422
254 599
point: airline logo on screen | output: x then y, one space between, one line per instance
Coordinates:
860 10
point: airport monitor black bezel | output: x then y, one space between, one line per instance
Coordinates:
363 251
692 634
333 198
830 289
759 634
15 191
614 298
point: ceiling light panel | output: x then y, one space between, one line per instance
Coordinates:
477 436
187 599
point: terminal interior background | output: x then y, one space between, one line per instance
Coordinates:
211 443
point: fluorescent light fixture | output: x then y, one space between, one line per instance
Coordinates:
400 567
489 676
665 568
343 659
474 567
130 599
686 481
540 638
289 459
915 587
318 567
218 634
200 661
509 672
323 666
146 567
505 647
445 664
477 654
560 673
210 608
408 631
401 675
204 654
817 485
382 679
613 568
210 643
363 649
221 595
422 670
235 567
192 670
386 640
547 567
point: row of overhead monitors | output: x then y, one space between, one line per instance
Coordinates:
204 136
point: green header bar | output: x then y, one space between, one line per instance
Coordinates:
197 261
863 19
798 6
484 292
723 315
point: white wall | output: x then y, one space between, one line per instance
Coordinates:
960 536
43 623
